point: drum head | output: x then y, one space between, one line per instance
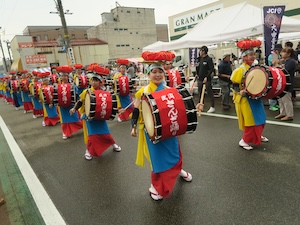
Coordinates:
87 104
148 119
255 81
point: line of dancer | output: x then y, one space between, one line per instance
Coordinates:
77 97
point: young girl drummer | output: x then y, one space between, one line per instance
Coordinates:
96 133
165 156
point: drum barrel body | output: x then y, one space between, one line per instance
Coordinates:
191 111
81 81
168 113
124 85
173 78
64 94
34 89
269 82
100 105
25 85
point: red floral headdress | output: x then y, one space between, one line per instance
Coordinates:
155 57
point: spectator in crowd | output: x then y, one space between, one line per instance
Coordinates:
131 71
285 103
224 73
235 62
274 59
258 54
289 44
205 69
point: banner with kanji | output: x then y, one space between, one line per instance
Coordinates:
272 23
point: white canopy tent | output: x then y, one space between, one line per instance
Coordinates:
228 24
289 36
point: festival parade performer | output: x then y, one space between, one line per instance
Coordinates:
24 88
173 77
122 87
80 79
6 87
34 87
2 95
54 76
250 112
97 136
165 156
15 89
51 117
67 95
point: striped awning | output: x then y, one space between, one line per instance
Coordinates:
46 69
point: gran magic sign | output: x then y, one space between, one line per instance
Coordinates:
188 21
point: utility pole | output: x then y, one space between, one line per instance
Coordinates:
4 59
61 13
8 49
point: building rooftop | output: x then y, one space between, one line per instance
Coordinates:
73 42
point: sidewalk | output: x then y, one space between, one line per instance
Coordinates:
20 207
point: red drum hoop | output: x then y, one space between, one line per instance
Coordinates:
124 85
100 105
269 82
168 113
81 81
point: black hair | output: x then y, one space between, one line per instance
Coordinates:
289 44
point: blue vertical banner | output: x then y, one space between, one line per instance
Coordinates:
193 54
272 23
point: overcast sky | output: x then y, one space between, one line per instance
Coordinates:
15 15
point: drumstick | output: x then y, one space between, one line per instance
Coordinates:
249 83
201 98
127 106
191 89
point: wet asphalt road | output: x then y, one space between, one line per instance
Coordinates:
230 185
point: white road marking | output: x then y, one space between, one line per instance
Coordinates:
286 124
45 205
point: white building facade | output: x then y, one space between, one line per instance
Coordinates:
126 30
